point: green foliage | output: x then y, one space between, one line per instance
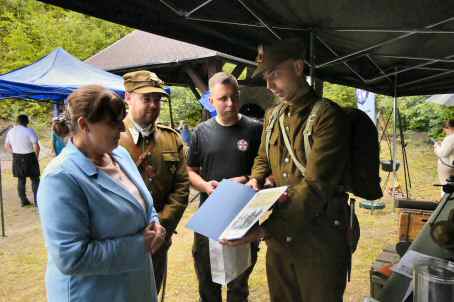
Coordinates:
417 114
29 30
344 96
185 107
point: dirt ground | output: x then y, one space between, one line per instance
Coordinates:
23 254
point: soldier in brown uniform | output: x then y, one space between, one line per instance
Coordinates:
158 153
307 256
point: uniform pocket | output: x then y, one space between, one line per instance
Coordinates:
170 156
171 160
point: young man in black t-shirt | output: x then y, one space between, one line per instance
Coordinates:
223 147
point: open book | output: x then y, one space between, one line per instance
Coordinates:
232 209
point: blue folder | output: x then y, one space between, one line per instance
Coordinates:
221 207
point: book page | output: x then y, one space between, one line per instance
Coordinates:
251 213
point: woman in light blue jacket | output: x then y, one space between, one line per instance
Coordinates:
99 222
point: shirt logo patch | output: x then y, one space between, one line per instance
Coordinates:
242 145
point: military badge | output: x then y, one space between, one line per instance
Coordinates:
149 172
173 169
242 145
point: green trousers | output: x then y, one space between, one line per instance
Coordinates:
237 290
289 281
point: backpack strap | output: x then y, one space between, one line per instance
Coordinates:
307 134
297 163
269 129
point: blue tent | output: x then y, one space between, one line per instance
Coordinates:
205 102
54 77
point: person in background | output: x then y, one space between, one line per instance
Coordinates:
98 218
222 147
23 143
186 134
59 134
445 153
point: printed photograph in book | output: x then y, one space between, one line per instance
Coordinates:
252 212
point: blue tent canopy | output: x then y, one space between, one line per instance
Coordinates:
54 77
205 102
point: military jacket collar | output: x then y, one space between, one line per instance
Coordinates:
303 102
136 131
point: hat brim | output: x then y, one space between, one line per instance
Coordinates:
262 68
150 89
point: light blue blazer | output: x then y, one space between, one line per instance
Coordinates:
93 231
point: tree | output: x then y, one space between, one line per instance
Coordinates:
185 107
29 30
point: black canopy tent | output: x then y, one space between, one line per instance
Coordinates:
395 48
356 43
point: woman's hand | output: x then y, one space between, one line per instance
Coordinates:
154 235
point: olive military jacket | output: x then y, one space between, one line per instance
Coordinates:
305 221
162 164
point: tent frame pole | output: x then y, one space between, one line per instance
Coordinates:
377 45
335 53
197 8
394 150
259 19
311 59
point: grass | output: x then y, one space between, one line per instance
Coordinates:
23 255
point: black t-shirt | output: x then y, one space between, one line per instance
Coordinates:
225 151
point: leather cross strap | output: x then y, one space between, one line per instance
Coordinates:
307 134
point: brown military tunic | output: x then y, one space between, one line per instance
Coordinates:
162 164
307 250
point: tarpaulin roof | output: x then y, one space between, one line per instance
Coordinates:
54 77
359 43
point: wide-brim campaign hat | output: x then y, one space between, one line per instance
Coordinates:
143 81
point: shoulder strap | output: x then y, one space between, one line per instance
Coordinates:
297 163
307 134
309 126
269 129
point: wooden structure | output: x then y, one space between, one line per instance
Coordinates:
411 223
179 63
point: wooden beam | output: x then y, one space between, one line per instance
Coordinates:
196 79
194 91
213 66
250 71
236 72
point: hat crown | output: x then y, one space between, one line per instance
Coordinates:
141 80
143 76
269 56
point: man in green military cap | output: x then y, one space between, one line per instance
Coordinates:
307 255
158 153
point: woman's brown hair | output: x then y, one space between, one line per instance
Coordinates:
95 103
449 124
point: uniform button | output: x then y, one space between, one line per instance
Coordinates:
286 159
288 114
336 222
288 239
284 174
